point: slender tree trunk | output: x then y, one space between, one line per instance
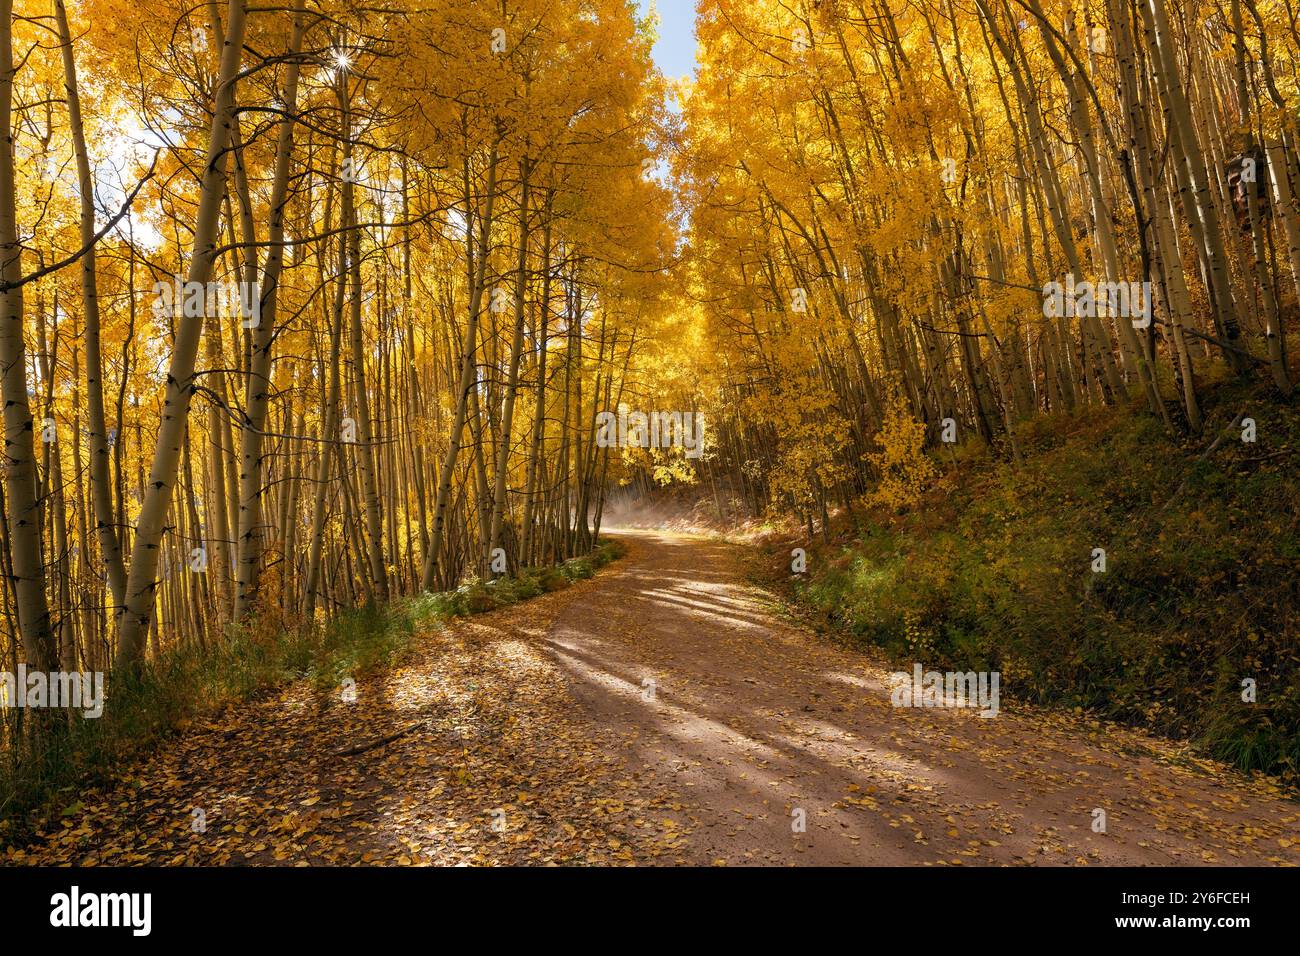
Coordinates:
512 384
468 380
257 400
141 582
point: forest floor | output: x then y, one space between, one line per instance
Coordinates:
663 712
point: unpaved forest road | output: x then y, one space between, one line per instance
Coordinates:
529 736
754 719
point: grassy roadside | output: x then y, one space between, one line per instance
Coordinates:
993 570
43 778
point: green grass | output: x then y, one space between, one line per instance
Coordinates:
992 571
41 776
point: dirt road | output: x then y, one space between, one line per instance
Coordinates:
659 713
754 720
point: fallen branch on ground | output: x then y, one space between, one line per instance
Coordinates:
1204 455
374 744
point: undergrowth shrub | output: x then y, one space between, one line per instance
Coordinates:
992 570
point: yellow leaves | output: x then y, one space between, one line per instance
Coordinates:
502 724
904 468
